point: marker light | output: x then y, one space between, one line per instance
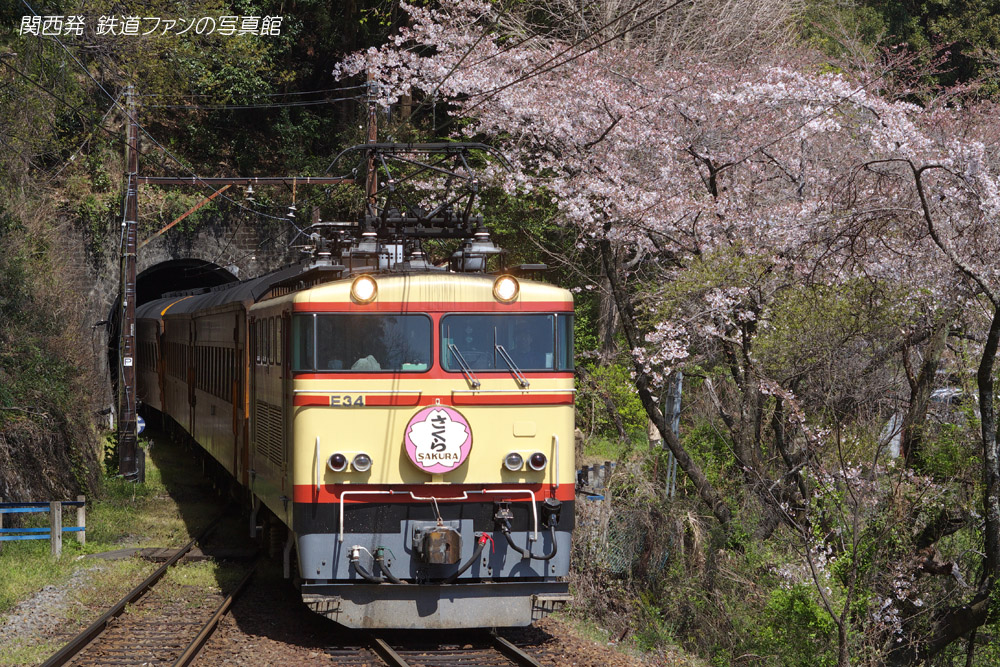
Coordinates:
337 462
537 461
505 288
513 462
361 462
364 289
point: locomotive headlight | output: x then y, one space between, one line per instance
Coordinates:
505 288
364 289
361 462
537 461
337 462
513 462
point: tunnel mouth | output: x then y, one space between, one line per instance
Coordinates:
176 275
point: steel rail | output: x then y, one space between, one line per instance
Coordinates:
82 640
513 653
198 643
387 654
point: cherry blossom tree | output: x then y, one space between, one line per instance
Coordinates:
774 167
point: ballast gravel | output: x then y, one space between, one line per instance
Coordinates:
44 613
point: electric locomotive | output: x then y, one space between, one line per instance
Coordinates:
410 426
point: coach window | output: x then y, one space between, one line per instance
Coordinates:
267 340
277 340
255 342
367 343
271 346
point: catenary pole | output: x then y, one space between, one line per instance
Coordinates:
127 436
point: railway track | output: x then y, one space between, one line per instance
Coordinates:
480 650
145 629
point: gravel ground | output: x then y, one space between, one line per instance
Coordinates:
43 614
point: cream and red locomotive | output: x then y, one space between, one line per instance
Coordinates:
412 427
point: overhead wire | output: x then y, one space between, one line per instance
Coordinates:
146 132
116 103
472 47
296 92
228 107
100 125
542 69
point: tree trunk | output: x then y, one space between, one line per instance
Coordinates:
991 455
957 622
912 433
607 319
623 302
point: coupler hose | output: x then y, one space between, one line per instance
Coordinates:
480 545
505 528
360 569
380 559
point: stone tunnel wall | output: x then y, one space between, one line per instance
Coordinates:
92 268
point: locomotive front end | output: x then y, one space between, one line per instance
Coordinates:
431 435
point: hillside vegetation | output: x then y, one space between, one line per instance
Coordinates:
791 203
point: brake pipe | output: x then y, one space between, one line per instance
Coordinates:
505 529
360 569
380 559
483 539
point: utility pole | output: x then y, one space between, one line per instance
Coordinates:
672 412
128 464
131 462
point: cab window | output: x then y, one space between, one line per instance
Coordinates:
539 342
362 343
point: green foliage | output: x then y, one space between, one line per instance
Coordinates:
706 443
797 630
34 373
612 383
964 36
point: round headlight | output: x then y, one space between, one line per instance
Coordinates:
364 289
505 288
337 462
537 461
361 462
513 462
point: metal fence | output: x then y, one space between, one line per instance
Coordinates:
54 531
619 535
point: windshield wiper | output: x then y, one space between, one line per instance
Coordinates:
514 370
464 365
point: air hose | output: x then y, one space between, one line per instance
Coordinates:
505 528
380 559
483 539
360 569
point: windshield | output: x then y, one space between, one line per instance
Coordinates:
534 342
362 343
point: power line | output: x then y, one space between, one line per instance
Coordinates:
228 107
542 69
143 129
298 92
100 125
462 59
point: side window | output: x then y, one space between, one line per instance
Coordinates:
302 342
564 341
275 355
279 342
254 343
